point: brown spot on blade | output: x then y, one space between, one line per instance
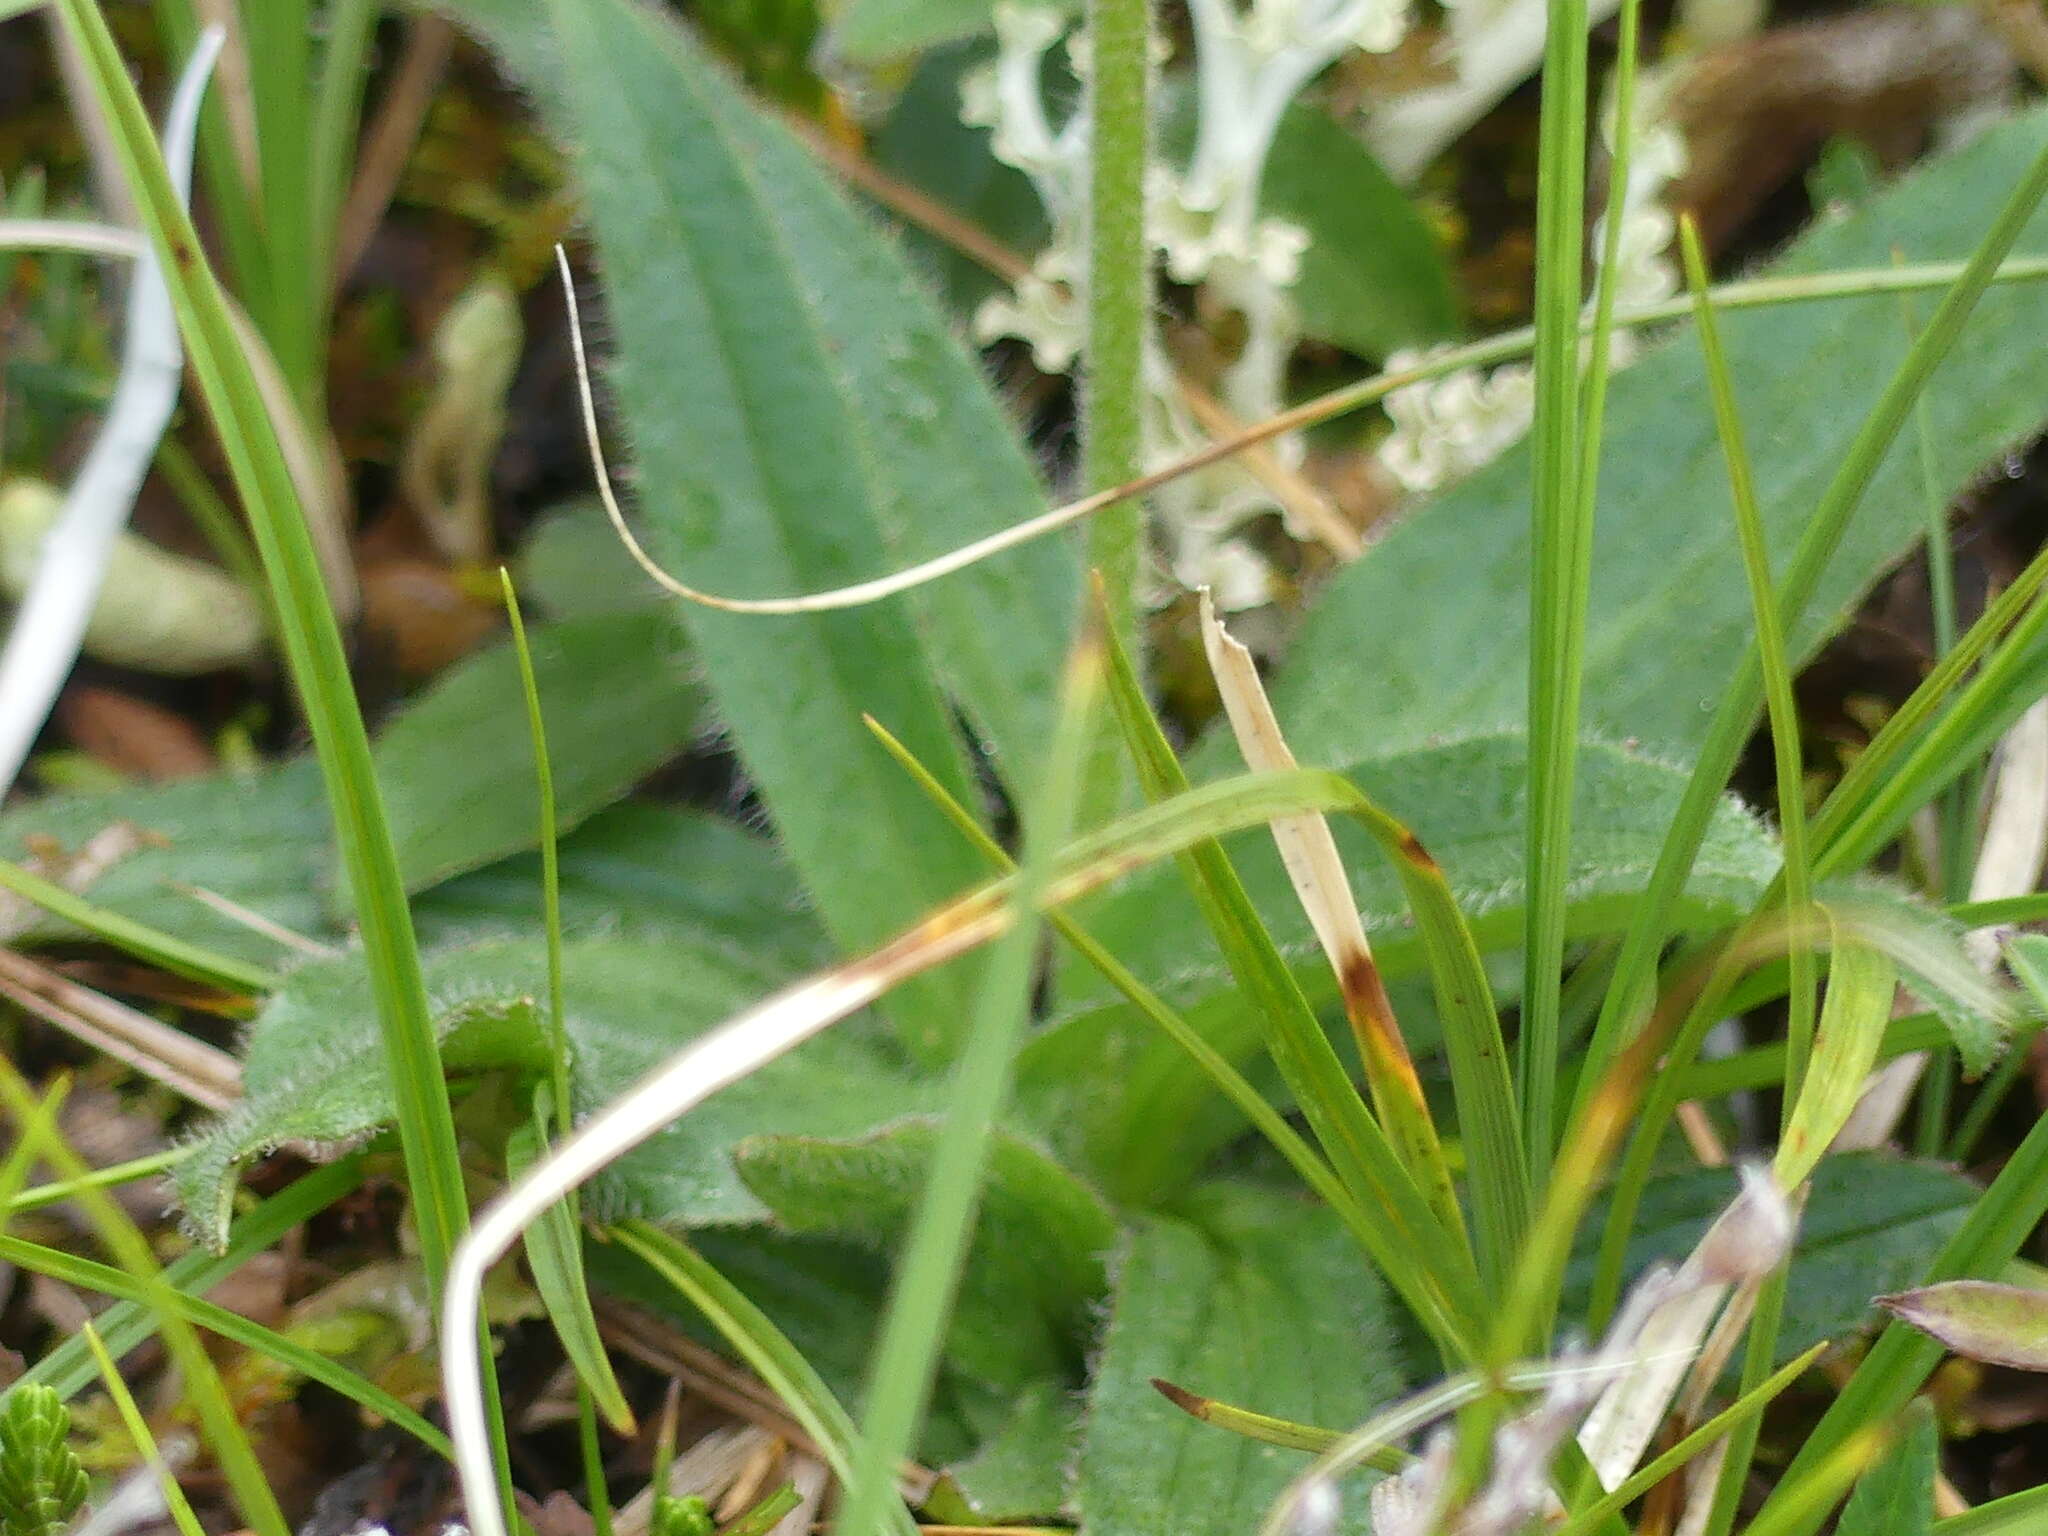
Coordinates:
1413 851
1182 1398
1371 1013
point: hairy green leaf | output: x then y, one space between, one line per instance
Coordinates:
1896 1497
1872 1223
458 772
311 1072
1250 1297
1042 1235
1407 643
640 870
1374 276
802 418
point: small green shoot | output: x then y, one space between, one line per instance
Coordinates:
42 1482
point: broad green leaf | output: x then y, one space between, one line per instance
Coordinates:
1037 1265
262 839
1374 276
803 418
1250 1297
923 142
311 1072
640 869
1896 1496
1145 1119
1872 1223
618 700
869 31
1020 1472
1998 1324
572 566
1408 643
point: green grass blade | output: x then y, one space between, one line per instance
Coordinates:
1561 545
232 1326
928 1273
337 111
138 939
1772 660
2012 619
138 1432
28 1140
68 1368
767 1352
550 859
2017 1514
113 1175
1429 1264
277 38
204 1391
1635 969
1314 1170
313 648
554 1253
2003 1218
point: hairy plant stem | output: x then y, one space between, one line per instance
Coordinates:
1119 290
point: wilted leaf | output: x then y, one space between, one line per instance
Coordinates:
1998 1324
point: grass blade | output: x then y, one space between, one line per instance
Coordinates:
232 1326
757 1035
138 939
202 1384
1561 545
1635 969
69 1369
1314 1170
1430 1264
313 648
2004 1216
761 1344
928 1274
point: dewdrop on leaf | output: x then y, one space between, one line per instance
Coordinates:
157 612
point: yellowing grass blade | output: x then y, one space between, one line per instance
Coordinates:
1861 982
1317 872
